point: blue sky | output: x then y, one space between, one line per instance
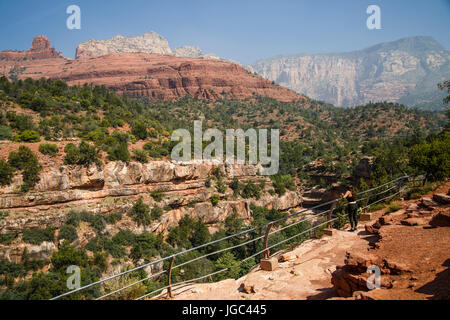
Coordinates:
244 30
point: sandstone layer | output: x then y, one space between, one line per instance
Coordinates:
154 76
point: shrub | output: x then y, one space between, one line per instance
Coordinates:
157 195
48 149
228 261
250 190
27 161
140 213
140 156
221 186
394 206
119 152
140 131
6 173
156 213
37 236
68 232
281 183
125 238
7 238
28 136
236 186
68 255
113 218
84 154
5 133
145 246
215 200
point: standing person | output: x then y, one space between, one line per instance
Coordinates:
352 208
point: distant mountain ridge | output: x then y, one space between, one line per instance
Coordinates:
405 71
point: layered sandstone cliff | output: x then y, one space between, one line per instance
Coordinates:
154 76
115 186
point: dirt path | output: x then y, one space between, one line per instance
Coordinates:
307 276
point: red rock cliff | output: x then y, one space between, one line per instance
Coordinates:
142 74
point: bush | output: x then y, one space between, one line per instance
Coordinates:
84 154
119 152
433 157
140 156
157 195
28 136
156 213
113 218
95 221
140 131
5 133
281 183
6 173
68 232
228 261
236 186
66 256
215 200
221 186
140 213
145 246
7 238
394 206
124 238
27 161
37 236
49 149
250 190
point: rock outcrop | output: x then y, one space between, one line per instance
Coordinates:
40 49
410 247
150 42
183 185
404 71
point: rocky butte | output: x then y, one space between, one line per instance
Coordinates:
40 49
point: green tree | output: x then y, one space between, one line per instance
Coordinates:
139 130
6 173
228 261
140 213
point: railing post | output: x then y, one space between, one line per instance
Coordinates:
266 241
169 288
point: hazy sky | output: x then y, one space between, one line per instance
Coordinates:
241 30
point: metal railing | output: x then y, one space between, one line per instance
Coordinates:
391 185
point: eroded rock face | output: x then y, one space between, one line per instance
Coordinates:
150 42
72 183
